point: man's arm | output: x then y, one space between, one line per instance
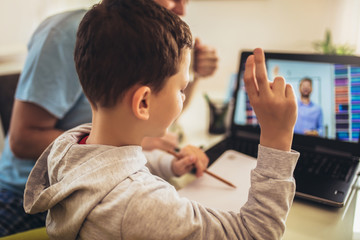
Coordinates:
32 129
205 62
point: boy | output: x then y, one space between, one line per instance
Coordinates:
49 100
93 179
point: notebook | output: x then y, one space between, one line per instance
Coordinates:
225 165
329 162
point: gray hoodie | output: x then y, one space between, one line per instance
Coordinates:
106 192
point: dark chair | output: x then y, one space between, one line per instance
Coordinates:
8 85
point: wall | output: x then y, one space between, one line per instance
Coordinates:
275 25
229 25
19 18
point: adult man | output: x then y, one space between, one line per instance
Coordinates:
310 118
49 100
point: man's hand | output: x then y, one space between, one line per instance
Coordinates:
205 62
204 65
274 103
190 157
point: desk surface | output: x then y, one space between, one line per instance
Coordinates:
306 220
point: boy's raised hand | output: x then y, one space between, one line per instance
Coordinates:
274 103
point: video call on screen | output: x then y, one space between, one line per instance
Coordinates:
335 90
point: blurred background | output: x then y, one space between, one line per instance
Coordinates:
228 25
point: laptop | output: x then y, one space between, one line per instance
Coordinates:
328 165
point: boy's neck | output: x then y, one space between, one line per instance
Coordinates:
115 128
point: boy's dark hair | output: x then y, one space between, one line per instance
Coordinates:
121 43
306 79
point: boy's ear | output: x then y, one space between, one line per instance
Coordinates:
141 103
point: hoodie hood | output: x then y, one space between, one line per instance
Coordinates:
68 179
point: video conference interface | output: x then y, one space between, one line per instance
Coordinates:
334 110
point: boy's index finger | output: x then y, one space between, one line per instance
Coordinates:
249 77
260 72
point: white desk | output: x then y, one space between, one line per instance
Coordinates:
306 220
314 221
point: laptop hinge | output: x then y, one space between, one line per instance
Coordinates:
244 134
332 151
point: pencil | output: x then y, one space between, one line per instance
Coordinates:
175 154
219 178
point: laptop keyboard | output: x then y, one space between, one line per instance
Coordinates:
325 165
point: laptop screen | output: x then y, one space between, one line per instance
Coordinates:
327 89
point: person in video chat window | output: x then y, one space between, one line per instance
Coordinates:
310 117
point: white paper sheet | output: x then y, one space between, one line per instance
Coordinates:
234 167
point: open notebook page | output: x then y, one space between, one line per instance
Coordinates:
233 166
